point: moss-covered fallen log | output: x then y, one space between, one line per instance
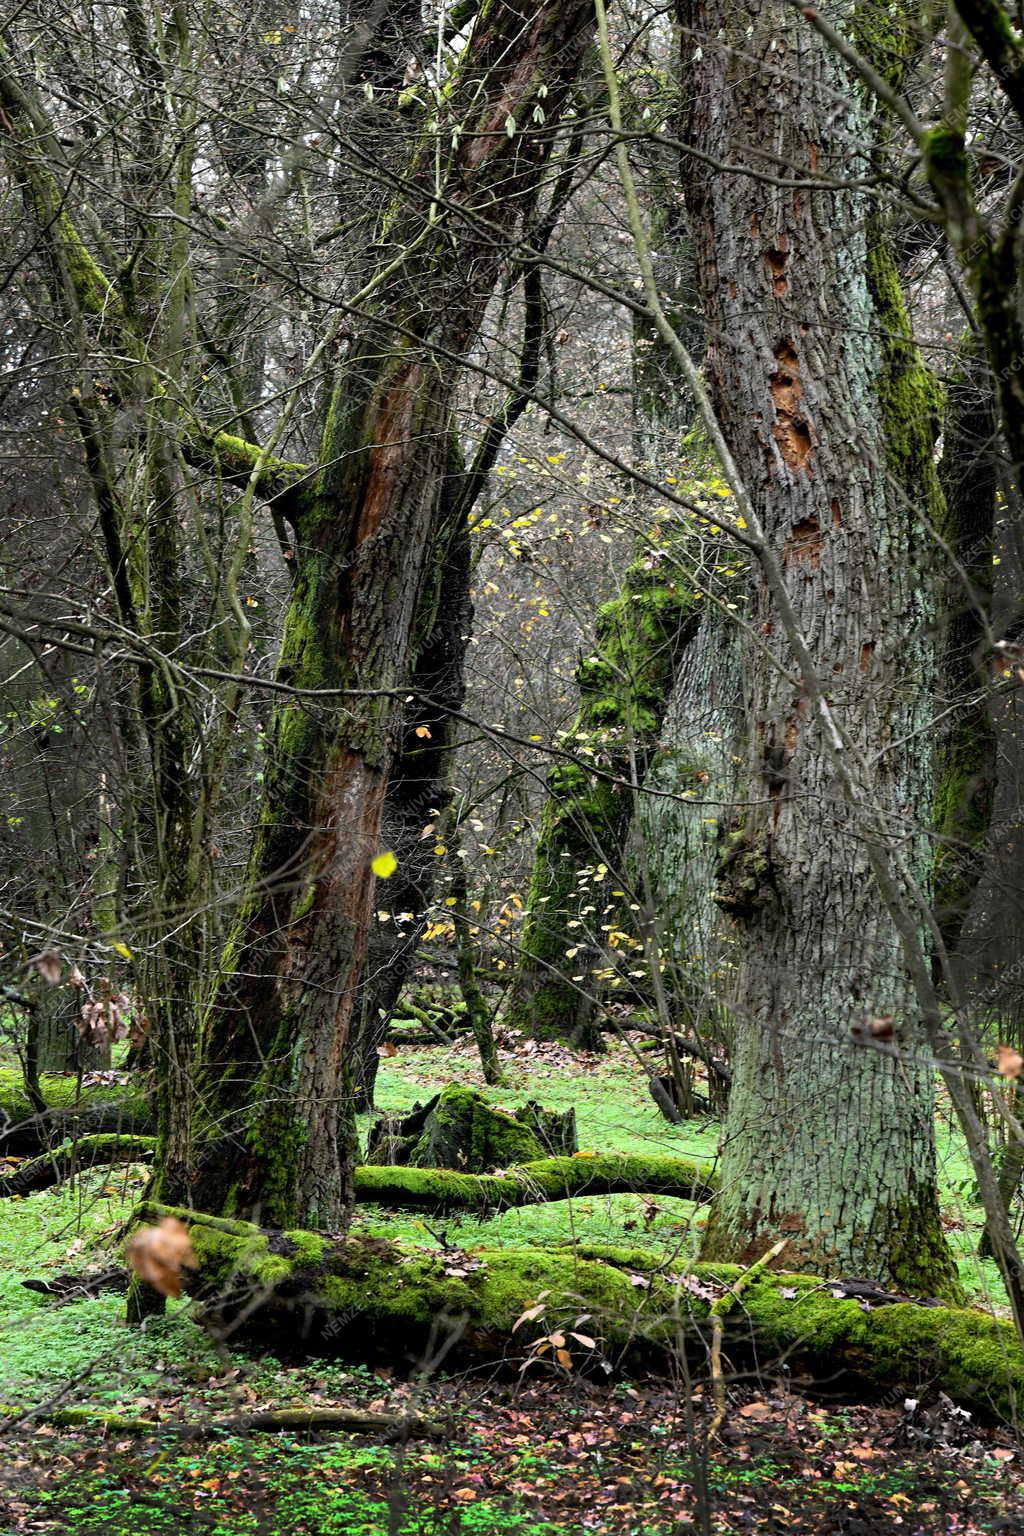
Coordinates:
353 1421
362 1295
100 1109
87 1152
440 1190
437 1190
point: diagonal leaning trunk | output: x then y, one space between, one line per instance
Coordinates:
275 1045
829 414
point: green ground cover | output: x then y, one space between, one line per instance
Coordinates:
82 1353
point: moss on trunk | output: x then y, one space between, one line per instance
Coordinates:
624 690
54 1167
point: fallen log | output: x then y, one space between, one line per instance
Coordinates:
54 1167
365 1295
353 1421
441 1190
80 1285
100 1109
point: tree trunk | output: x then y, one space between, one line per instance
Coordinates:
418 793
275 1045
830 416
966 767
367 1297
478 1011
701 741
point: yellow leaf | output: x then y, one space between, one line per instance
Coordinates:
439 849
122 950
384 865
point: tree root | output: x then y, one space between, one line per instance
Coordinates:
366 1295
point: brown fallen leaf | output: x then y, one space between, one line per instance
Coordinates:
49 965
1009 1061
159 1254
755 1411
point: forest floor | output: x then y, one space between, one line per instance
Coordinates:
539 1455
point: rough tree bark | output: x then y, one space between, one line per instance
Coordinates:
275 1043
701 743
418 791
829 415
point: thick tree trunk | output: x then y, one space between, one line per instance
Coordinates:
701 743
275 1047
966 765
829 415
418 793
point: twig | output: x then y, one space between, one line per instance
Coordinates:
719 1309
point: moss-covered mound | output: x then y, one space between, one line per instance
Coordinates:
365 1293
458 1129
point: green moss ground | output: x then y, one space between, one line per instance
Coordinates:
83 1354
614 1113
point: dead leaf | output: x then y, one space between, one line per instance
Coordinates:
758 1411
1009 1061
528 1316
159 1254
49 965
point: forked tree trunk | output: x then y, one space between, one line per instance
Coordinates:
275 1046
829 415
418 793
